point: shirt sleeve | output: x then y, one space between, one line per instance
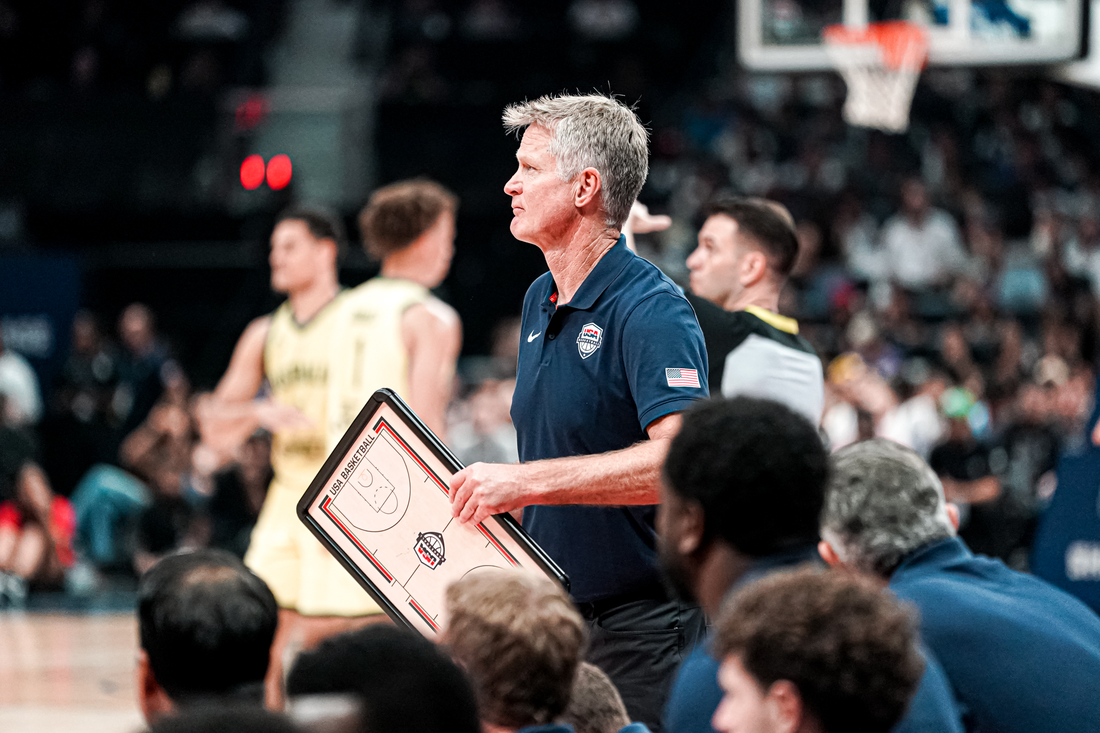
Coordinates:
664 356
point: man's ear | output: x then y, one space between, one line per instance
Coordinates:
152 698
953 515
784 705
589 185
754 267
828 554
692 528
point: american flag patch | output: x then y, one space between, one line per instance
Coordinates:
682 377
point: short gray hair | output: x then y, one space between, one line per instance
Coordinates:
592 131
883 502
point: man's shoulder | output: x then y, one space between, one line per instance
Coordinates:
974 581
381 289
731 328
642 293
642 277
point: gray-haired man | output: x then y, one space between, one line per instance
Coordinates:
1020 655
611 352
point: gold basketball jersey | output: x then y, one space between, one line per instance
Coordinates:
370 350
296 363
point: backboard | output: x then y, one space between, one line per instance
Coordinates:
785 35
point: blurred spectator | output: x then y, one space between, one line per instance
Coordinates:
857 233
807 650
955 353
1031 449
481 425
520 640
19 384
1021 655
108 501
1081 254
603 20
970 472
159 452
238 495
142 372
406 683
921 242
206 624
82 406
211 20
917 422
36 526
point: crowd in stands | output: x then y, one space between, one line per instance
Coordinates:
109 475
944 275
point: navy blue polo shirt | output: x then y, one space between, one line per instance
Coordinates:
1021 655
592 375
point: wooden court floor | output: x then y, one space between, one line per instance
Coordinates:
68 673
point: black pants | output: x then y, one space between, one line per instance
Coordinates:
640 643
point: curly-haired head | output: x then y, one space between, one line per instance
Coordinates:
757 468
848 648
520 639
396 215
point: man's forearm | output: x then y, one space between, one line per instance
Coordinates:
217 417
622 477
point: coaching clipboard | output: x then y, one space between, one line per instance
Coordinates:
380 505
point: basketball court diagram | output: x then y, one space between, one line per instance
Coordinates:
377 496
390 506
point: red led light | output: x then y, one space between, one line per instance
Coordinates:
252 172
279 171
251 112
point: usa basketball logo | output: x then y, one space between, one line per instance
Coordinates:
590 338
429 549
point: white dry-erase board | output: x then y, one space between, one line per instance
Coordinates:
380 505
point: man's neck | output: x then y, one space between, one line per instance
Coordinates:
721 569
406 265
308 302
576 257
765 295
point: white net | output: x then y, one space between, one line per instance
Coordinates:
881 64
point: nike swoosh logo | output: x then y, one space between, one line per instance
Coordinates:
533 336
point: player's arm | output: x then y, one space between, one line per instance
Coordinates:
618 478
231 413
432 332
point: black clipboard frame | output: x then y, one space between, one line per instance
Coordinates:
388 397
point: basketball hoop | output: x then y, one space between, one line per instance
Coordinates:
880 63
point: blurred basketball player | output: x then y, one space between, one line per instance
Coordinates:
306 356
393 332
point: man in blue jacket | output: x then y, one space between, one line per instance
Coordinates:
744 483
1021 655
